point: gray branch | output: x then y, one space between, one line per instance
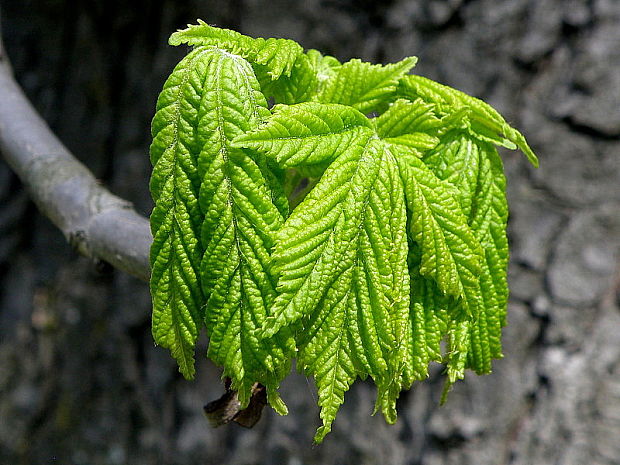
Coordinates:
97 223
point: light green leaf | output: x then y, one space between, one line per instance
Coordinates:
394 255
306 79
341 260
475 170
304 82
176 219
277 55
404 117
308 250
240 222
430 313
308 133
299 86
416 143
362 85
381 283
456 161
484 121
489 224
324 65
450 253
412 126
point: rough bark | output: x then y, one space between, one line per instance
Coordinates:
80 380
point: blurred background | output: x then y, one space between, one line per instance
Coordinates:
80 379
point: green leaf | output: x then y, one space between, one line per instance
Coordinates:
416 143
430 313
475 170
299 86
176 219
484 121
452 257
341 261
412 126
238 231
404 117
308 133
277 55
489 218
364 86
324 65
394 255
306 79
382 282
456 161
450 253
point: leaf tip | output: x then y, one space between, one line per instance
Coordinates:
188 370
533 159
321 433
276 401
411 62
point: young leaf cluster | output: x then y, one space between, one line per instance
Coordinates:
392 256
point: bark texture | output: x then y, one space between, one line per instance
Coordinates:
80 380
96 223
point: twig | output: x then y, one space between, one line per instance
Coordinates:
97 223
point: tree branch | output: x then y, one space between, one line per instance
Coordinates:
97 223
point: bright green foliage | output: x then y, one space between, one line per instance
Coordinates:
176 218
475 170
394 254
479 117
308 133
364 86
299 86
230 228
341 258
309 73
450 254
240 222
277 55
